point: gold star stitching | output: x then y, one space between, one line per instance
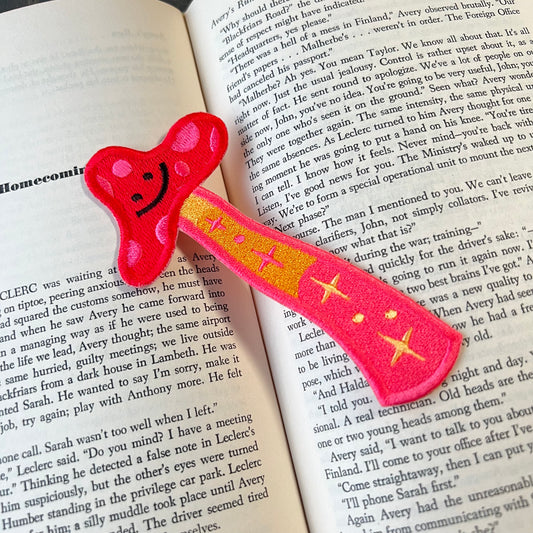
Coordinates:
330 288
402 346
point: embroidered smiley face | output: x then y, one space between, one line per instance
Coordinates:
148 176
123 169
145 190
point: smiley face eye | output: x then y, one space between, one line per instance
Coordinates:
147 176
136 197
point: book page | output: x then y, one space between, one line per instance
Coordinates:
398 137
121 408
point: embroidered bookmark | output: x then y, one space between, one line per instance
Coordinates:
403 350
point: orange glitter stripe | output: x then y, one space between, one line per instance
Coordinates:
249 247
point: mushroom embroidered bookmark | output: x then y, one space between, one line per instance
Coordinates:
402 349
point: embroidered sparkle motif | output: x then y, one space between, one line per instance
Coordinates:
215 224
402 346
330 288
152 194
267 259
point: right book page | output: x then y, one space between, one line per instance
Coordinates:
399 137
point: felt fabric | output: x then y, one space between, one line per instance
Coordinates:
145 190
402 349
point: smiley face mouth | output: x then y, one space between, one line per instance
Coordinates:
160 195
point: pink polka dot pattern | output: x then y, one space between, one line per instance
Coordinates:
187 138
134 253
145 191
182 168
161 230
106 186
401 349
214 140
121 168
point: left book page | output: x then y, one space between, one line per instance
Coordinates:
122 409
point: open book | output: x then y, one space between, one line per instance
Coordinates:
398 137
